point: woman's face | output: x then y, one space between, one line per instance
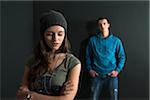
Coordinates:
54 36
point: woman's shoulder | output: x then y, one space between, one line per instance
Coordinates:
72 60
71 56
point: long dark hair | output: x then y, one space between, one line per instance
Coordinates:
41 53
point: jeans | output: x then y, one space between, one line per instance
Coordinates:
110 84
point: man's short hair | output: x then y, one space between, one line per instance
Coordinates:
104 17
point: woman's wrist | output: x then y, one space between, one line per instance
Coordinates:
29 95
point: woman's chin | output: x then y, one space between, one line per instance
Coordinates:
55 48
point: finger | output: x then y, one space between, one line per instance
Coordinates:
66 93
96 74
93 75
110 73
114 75
69 89
68 82
23 88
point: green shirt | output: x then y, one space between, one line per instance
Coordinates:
50 83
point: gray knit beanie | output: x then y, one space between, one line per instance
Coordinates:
52 18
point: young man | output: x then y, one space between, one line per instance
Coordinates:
105 58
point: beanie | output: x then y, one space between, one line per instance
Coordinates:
52 18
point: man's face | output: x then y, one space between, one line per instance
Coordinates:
103 25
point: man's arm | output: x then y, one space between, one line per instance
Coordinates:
88 56
120 56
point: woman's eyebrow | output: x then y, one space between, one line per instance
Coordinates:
55 32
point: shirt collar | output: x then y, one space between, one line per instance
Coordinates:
100 35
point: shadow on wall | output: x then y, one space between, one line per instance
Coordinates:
84 84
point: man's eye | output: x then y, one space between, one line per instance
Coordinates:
100 24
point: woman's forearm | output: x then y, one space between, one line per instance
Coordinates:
37 96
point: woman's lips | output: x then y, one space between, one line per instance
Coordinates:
55 44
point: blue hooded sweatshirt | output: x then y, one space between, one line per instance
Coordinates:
104 54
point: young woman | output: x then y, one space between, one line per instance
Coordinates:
52 72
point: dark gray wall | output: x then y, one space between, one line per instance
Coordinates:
0 47
17 37
129 21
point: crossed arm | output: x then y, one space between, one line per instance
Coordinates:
68 92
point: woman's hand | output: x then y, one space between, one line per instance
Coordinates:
67 87
24 88
22 93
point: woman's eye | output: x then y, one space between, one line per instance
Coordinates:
60 34
49 34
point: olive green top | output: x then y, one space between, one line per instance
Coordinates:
50 83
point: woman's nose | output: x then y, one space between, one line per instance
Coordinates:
55 36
